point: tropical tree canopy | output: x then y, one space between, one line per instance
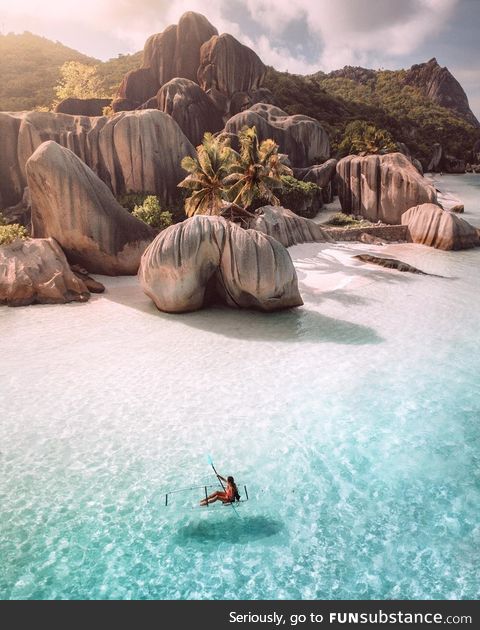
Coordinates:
78 80
219 174
207 175
257 170
362 137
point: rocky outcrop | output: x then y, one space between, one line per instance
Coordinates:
451 164
82 106
436 159
190 107
459 208
322 175
231 73
92 285
381 187
430 225
287 227
206 258
173 53
11 180
302 138
136 87
131 151
439 85
35 271
72 205
476 152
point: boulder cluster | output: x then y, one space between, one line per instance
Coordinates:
62 172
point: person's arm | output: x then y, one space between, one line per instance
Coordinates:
222 478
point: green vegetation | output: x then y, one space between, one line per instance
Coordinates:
207 175
30 70
298 196
10 232
78 80
347 221
361 137
257 170
382 100
130 200
151 213
219 174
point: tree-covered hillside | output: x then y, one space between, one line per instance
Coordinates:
381 98
30 68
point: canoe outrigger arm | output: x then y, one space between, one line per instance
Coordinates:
205 489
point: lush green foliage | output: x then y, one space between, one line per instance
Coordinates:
207 175
78 80
150 212
361 137
257 170
9 233
30 70
383 101
130 200
219 174
346 220
295 194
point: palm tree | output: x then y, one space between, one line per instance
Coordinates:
207 175
256 171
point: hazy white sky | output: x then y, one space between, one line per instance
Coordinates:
296 35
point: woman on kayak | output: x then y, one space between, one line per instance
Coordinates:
225 496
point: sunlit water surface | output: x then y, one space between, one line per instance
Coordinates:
354 421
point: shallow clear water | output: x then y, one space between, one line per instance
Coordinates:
354 422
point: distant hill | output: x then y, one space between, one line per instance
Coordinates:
418 107
29 70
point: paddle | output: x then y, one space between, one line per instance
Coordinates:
210 461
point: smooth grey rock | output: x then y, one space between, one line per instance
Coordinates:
35 271
205 255
430 225
302 138
190 107
287 227
381 187
71 204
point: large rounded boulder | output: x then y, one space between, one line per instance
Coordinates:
194 112
302 138
72 205
381 187
35 271
430 225
287 227
206 258
228 66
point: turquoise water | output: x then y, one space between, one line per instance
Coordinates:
354 422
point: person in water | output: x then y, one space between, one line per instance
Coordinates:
229 495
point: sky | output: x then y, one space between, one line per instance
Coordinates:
301 36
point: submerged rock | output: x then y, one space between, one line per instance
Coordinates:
381 187
302 138
287 227
204 257
71 204
35 271
430 225
389 263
